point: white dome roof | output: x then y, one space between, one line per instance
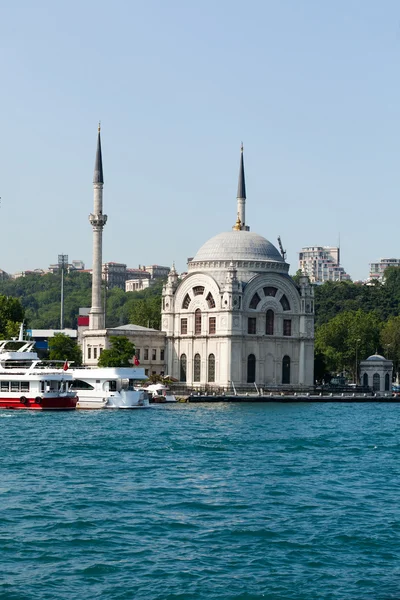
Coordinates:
238 246
376 357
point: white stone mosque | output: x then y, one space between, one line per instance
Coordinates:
237 317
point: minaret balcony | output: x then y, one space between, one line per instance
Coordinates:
97 220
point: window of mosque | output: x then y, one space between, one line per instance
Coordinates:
198 290
154 354
211 368
146 354
183 367
162 354
212 322
95 353
197 322
270 291
255 301
287 327
210 300
183 326
286 369
89 352
387 382
285 303
252 325
269 322
376 382
186 301
251 368
137 353
196 367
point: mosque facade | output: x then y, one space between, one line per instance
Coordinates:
237 318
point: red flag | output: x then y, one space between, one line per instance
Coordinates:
136 361
65 367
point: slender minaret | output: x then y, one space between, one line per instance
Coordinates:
97 221
241 196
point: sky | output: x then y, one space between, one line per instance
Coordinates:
311 88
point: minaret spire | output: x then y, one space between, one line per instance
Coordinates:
98 165
241 196
97 221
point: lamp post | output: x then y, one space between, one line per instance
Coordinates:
356 370
62 263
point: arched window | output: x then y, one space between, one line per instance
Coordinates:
286 369
198 290
196 367
255 301
270 291
197 322
269 322
186 301
376 382
365 380
387 382
183 368
211 368
251 368
285 303
210 300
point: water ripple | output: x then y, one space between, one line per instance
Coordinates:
193 502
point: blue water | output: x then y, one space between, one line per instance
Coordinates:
242 501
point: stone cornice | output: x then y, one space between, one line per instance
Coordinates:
256 265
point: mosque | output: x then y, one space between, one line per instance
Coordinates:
237 317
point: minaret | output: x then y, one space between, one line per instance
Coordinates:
97 221
241 196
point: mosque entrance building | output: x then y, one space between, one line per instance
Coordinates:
237 318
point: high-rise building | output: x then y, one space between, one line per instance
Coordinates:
322 263
377 269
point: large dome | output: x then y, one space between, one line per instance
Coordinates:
238 246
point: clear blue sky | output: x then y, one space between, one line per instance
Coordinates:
312 89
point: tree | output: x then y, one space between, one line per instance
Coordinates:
119 355
12 315
348 334
390 340
62 347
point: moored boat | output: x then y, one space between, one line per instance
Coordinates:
25 383
160 393
109 387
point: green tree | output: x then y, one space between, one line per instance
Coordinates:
390 341
119 355
344 336
62 347
11 316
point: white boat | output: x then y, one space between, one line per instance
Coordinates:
160 393
109 387
27 382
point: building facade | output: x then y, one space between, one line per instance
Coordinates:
149 346
377 269
237 318
322 263
376 372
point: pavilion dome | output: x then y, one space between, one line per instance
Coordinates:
376 357
238 246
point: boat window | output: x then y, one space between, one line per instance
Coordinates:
78 384
15 386
131 385
24 386
5 386
112 386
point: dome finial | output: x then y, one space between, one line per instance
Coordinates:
238 224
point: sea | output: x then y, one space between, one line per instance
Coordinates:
201 501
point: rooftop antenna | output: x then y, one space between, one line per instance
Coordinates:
283 252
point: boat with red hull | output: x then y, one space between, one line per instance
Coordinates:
28 383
